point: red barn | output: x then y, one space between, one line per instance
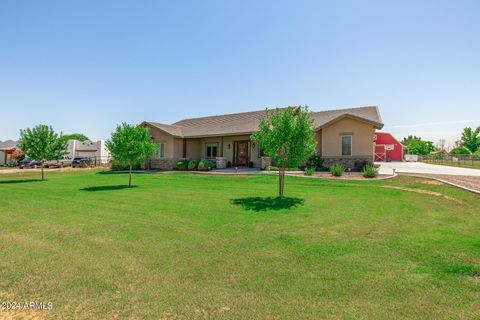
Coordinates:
387 148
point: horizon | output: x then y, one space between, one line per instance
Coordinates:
85 67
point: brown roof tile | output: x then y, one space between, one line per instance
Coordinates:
247 122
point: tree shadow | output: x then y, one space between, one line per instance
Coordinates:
107 188
19 181
267 203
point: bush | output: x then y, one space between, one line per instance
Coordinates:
459 150
309 170
360 164
182 165
124 167
369 171
12 163
337 170
315 161
193 165
205 165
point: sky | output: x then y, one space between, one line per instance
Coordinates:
85 66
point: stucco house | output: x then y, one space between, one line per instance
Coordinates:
343 135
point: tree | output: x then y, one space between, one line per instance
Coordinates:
459 150
418 146
471 139
287 137
75 136
131 144
42 144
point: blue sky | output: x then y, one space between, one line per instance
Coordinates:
84 66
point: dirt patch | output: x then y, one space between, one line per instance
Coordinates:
432 193
431 182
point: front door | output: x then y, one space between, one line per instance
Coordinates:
241 154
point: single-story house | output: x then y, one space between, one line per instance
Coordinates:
343 135
7 148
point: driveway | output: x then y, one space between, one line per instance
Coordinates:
425 168
465 178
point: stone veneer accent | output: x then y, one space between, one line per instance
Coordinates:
163 164
266 161
352 162
221 162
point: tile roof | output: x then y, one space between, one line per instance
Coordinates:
247 122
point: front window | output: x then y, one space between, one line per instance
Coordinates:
346 145
161 150
212 150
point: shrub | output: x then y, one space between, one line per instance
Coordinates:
124 167
309 170
315 161
369 171
193 165
337 170
459 150
360 164
182 165
206 165
12 163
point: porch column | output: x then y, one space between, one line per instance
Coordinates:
221 146
184 151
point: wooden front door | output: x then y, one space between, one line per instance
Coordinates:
241 154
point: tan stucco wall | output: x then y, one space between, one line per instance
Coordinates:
318 137
177 148
160 136
193 149
362 138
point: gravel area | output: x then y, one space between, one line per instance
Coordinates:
471 183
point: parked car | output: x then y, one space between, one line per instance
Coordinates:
59 163
25 164
81 162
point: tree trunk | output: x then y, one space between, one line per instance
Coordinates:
42 170
281 180
130 176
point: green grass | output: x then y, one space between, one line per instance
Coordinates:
197 246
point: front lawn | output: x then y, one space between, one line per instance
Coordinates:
182 245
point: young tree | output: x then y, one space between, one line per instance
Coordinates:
42 144
287 137
471 139
131 144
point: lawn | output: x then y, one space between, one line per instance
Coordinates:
182 245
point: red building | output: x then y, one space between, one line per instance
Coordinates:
387 148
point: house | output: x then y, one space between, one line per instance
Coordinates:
7 149
343 135
96 151
387 148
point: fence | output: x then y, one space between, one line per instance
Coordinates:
97 161
460 160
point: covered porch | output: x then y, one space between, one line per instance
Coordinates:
225 151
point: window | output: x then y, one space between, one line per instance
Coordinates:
212 150
346 145
161 150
